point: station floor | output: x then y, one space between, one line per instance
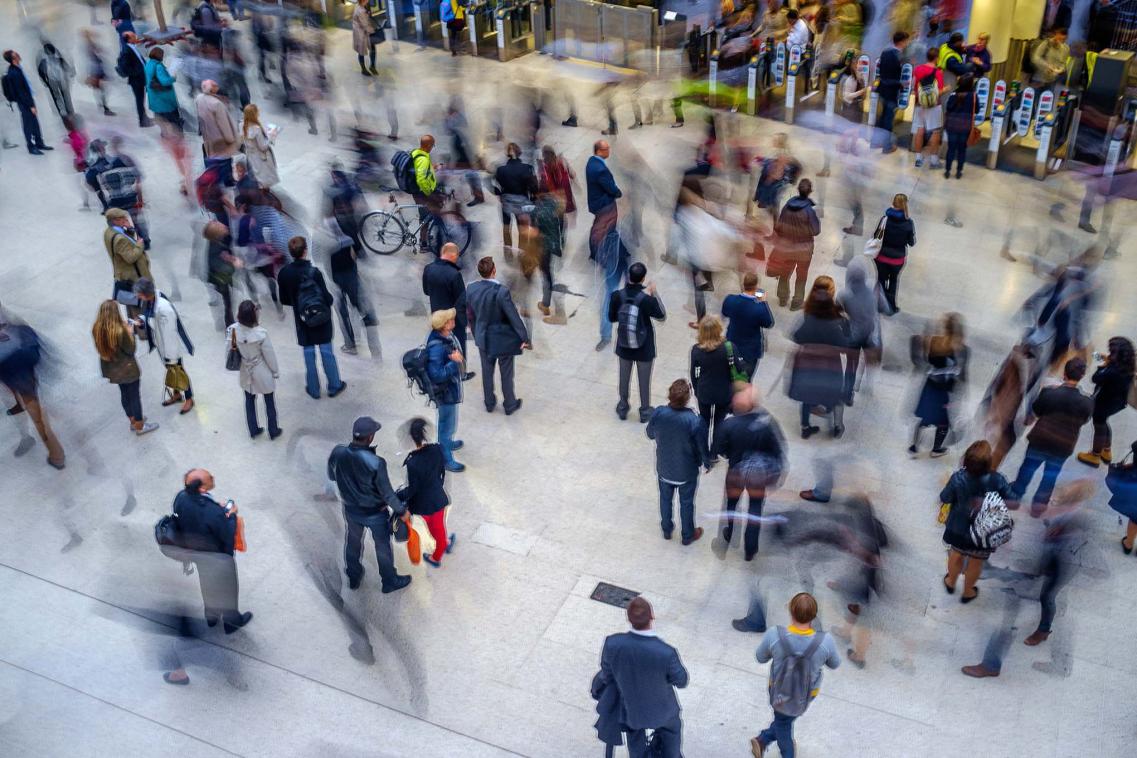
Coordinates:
493 654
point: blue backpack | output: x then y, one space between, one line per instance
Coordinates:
446 11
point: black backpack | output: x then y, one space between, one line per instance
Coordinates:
404 167
631 325
310 306
414 365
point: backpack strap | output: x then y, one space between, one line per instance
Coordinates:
818 638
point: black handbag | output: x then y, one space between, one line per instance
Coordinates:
378 36
233 355
399 529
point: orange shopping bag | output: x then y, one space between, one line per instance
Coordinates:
239 538
414 544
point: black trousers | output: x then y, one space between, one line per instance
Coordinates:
670 738
756 499
353 550
217 574
140 102
505 363
131 399
251 412
715 412
643 375
32 134
460 335
888 275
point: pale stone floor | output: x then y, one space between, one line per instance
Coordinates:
493 654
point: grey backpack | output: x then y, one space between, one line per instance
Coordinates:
791 679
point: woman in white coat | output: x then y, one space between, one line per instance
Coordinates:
362 27
259 370
258 148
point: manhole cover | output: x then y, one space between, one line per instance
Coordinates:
613 595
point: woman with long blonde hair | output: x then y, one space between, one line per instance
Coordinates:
898 233
258 147
115 343
712 360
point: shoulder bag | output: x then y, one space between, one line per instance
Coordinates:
873 244
973 136
233 355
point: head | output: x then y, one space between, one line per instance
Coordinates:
247 314
486 268
601 148
417 430
679 394
933 55
640 614
449 252
1074 370
297 248
117 217
792 16
548 154
955 41
710 332
745 400
900 203
210 87
443 321
803 609
12 57
156 54
982 40
426 143
252 117
637 272
145 290
750 282
822 299
977 458
240 165
1059 35
363 430
108 329
198 480
512 150
1121 354
965 83
804 188
901 39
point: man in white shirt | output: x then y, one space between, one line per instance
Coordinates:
799 30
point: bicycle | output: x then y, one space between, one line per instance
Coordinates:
386 231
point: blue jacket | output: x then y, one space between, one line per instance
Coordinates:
444 374
161 101
645 670
680 443
602 189
748 317
204 524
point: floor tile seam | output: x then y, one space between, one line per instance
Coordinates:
257 659
116 706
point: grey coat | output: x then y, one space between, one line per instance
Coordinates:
259 369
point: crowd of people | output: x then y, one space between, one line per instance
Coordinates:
253 239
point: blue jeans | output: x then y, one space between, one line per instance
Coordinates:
884 123
1033 460
686 506
611 284
782 732
328 357
447 425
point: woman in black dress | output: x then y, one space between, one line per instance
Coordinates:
945 355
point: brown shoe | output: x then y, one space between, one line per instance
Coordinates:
694 537
543 308
1036 638
978 672
757 749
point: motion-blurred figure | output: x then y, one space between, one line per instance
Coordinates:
944 358
21 352
56 74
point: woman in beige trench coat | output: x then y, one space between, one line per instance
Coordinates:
362 27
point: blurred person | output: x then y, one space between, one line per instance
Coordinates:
959 120
252 249
779 171
863 537
898 234
499 334
928 87
346 201
258 147
259 370
129 259
964 494
632 310
218 132
786 646
220 262
602 195
644 672
516 184
795 230
945 357
817 376
548 227
715 367
443 285
122 18
978 54
752 442
345 275
1058 413
168 336
131 66
208 532
461 150
56 74
96 69
362 29
369 502
308 85
263 35
115 344
207 23
445 363
857 179
888 90
21 352
747 314
1113 382
852 89
1006 402
680 449
424 494
1122 484
556 177
1049 57
302 287
78 141
18 90
860 301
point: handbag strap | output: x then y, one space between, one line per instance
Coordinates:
879 233
233 339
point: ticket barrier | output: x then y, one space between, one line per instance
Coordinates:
797 81
429 29
1056 132
1027 131
481 25
514 29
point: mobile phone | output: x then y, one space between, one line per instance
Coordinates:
760 293
229 504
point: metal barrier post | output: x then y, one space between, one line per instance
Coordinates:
446 43
792 73
420 23
713 78
998 118
1045 129
472 26
499 21
831 93
752 86
537 16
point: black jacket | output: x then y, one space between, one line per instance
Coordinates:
1112 391
132 66
899 234
964 494
442 283
426 472
755 432
889 74
360 475
651 307
645 671
16 87
492 312
204 524
288 280
1061 413
710 375
515 177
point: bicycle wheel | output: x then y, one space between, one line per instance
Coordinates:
382 232
454 228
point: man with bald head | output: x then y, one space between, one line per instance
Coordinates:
207 532
602 194
132 65
218 131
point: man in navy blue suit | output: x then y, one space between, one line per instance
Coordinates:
18 90
602 194
645 670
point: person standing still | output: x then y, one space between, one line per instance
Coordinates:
898 235
362 27
302 286
444 366
632 310
499 334
602 195
115 343
259 370
424 494
888 74
18 90
748 314
680 449
442 284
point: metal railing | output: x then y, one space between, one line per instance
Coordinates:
608 34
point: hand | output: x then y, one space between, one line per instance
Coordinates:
526 346
34 111
650 288
456 356
230 512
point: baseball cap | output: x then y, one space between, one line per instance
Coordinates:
365 426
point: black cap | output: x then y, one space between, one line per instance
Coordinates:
365 426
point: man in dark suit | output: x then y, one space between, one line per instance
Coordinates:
602 194
645 670
498 332
18 90
888 73
208 531
132 64
442 283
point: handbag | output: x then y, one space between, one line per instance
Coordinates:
378 36
233 356
874 243
399 529
239 543
737 373
177 380
414 542
973 135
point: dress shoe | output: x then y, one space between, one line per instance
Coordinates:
1037 637
510 410
35 151
337 390
353 584
622 413
398 584
244 619
809 431
490 408
742 625
57 465
949 588
274 433
168 679
432 562
570 121
456 467
808 495
965 599
694 537
1124 549
374 71
257 432
796 305
667 535
979 672
468 376
45 147
456 444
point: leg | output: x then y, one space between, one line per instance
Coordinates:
140 105
124 399
447 422
801 278
1103 436
894 286
312 379
508 396
39 418
251 413
352 550
135 398
270 411
941 435
687 492
488 362
783 727
345 319
1053 576
384 556
625 368
643 375
666 494
783 289
706 412
331 368
757 499
700 295
971 573
677 110
1029 466
1050 472
954 567
436 525
805 408
731 495
671 738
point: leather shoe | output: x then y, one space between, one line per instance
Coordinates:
509 411
398 584
979 672
808 495
468 376
353 584
741 625
45 147
1037 637
694 537
244 619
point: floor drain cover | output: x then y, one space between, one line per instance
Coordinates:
613 595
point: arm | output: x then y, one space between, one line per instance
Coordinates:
650 430
692 369
912 233
328 299
676 674
163 76
814 223
833 659
614 306
700 432
382 485
608 182
765 316
270 356
127 249
765 648
660 311
511 314
411 489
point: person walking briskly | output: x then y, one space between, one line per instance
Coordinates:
56 74
798 652
443 285
302 286
424 494
644 670
748 314
208 531
899 234
345 275
369 502
1112 380
795 230
259 370
1060 413
445 363
515 182
18 90
817 377
20 354
632 310
499 334
602 195
168 336
115 343
946 357
680 449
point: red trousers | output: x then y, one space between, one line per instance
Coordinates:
436 523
